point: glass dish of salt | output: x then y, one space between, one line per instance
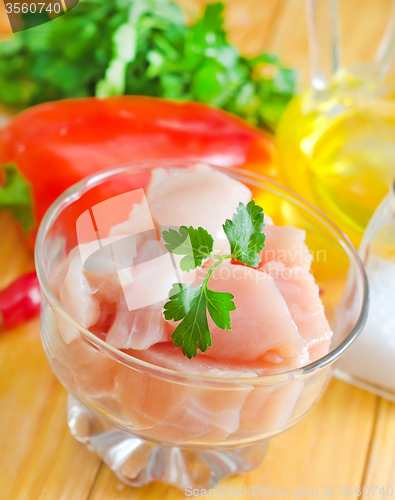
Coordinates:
370 362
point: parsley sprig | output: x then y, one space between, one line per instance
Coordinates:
190 304
141 47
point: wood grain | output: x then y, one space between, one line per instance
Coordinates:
381 465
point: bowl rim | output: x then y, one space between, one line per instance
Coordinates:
77 190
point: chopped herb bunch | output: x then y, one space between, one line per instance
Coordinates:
190 304
141 47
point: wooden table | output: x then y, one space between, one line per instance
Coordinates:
347 440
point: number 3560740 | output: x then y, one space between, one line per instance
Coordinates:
16 8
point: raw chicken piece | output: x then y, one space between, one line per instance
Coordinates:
269 408
148 251
170 357
146 400
196 197
88 373
88 297
189 421
106 287
190 413
139 224
138 329
58 274
319 350
262 327
77 295
149 282
182 411
139 322
301 294
286 244
104 323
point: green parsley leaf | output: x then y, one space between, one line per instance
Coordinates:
193 330
190 304
244 233
181 296
15 195
194 244
219 305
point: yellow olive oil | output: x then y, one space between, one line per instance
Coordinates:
338 152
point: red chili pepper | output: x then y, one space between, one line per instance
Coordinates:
20 301
55 145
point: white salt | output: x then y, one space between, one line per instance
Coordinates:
372 356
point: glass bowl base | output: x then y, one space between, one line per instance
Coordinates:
137 462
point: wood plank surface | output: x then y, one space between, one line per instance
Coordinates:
347 440
39 459
381 462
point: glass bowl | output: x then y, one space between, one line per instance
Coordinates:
150 423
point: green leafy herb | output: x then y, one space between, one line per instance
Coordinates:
190 304
142 47
244 233
194 244
15 195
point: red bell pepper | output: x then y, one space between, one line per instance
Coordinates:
55 145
